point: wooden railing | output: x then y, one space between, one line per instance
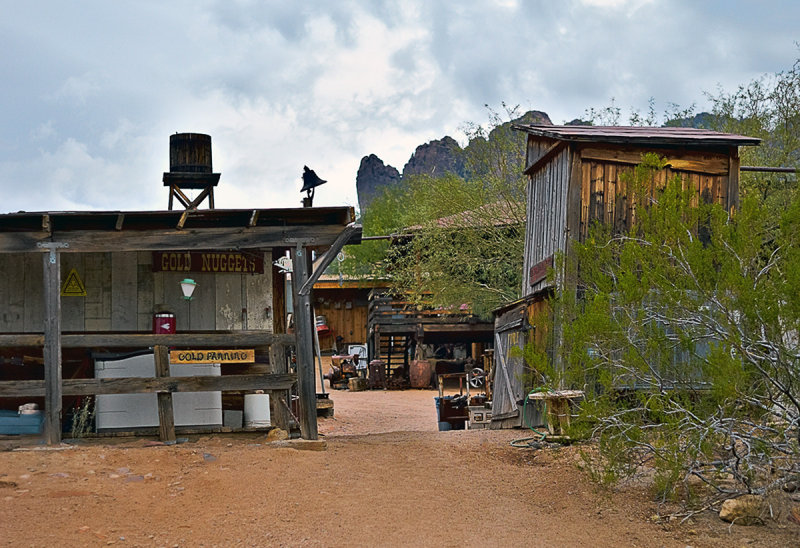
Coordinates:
384 309
278 381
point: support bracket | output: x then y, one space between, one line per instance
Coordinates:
52 247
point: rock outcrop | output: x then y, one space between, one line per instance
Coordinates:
373 175
435 158
745 510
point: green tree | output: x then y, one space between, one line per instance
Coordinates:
684 334
458 240
769 108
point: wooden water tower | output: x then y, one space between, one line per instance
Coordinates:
190 168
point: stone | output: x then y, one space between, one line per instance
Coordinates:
372 177
304 445
277 434
436 158
744 510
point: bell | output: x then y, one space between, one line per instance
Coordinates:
310 179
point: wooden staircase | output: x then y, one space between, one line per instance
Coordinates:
394 351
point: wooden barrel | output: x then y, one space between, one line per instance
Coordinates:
190 153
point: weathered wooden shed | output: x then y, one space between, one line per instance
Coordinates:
120 268
575 180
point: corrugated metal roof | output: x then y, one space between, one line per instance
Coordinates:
637 134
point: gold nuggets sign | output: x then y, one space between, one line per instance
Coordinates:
208 261
212 356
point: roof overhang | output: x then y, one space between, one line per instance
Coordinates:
637 135
100 231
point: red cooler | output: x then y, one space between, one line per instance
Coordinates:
164 322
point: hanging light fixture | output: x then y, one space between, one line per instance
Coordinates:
187 286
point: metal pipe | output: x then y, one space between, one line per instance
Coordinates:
318 352
769 169
387 237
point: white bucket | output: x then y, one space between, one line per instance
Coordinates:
256 410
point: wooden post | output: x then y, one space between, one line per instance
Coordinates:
279 398
303 325
52 346
166 420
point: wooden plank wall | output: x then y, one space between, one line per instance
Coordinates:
605 197
547 216
350 323
123 292
591 174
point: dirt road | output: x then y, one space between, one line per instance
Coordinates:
387 478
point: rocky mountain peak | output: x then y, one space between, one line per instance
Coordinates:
373 175
435 158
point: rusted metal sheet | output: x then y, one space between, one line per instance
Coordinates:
652 135
539 271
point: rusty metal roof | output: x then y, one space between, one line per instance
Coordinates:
638 135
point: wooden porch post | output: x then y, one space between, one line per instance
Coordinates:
303 325
52 346
280 409
166 418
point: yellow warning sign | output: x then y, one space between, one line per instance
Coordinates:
73 286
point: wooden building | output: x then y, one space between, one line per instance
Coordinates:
575 180
77 283
344 305
397 327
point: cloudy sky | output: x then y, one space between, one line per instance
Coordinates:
91 90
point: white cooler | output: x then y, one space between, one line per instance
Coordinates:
117 411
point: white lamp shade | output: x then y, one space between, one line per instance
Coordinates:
187 286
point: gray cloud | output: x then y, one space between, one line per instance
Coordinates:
92 89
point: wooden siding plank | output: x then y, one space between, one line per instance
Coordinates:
124 301
202 308
14 302
97 280
621 203
34 295
596 199
586 181
228 302
573 203
610 193
173 300
142 340
72 308
694 184
145 290
714 164
258 290
545 159
537 147
5 290
143 385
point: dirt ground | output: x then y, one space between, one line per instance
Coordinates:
387 478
